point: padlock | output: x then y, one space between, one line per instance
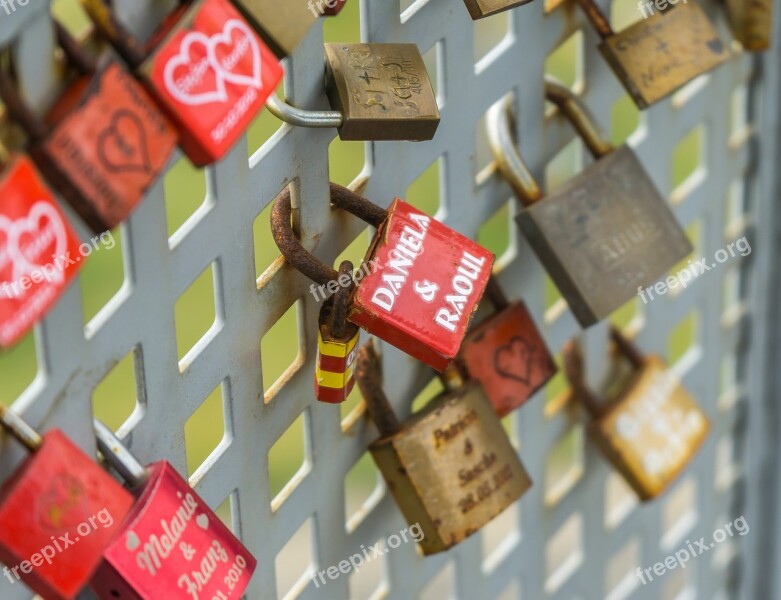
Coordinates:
58 512
282 25
603 235
331 8
479 9
171 545
751 22
450 467
205 66
36 246
652 429
507 354
103 144
337 343
378 92
421 305
658 55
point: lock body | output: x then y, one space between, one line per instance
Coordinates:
658 55
652 431
507 355
331 8
451 468
425 288
108 144
485 8
212 74
33 230
282 25
604 234
751 22
335 370
173 546
383 91
62 508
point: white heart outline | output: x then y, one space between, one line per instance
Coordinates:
219 95
255 80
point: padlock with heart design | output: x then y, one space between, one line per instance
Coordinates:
171 545
206 67
507 354
58 512
105 142
36 243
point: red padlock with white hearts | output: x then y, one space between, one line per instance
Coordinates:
205 66
171 545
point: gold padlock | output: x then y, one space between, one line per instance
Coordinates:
751 22
658 55
653 427
450 467
605 233
485 8
282 25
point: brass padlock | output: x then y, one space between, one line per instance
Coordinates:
751 22
485 8
656 56
653 427
450 467
281 25
605 233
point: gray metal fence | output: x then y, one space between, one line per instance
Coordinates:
578 533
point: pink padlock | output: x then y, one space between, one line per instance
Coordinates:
171 545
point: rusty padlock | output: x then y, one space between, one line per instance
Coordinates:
282 25
604 234
751 22
507 354
337 343
378 92
652 429
450 467
103 144
58 512
36 241
656 56
171 545
479 9
422 306
205 66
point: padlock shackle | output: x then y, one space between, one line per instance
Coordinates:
576 112
341 305
19 429
574 369
496 295
127 45
628 348
298 117
74 51
119 457
290 246
368 375
597 18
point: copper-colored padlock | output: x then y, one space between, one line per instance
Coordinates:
331 8
604 234
378 92
450 467
751 22
507 354
282 25
656 56
479 9
653 427
104 143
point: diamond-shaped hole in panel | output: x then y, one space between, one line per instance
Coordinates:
624 120
288 460
443 585
563 553
263 126
566 63
728 469
500 537
195 313
683 337
556 391
266 251
355 252
368 580
432 389
497 233
406 5
432 58
204 430
351 410
424 193
185 193
679 514
346 161
361 492
280 351
555 305
621 572
489 34
624 13
224 511
115 397
687 162
564 465
564 166
620 500
345 29
103 273
18 367
294 565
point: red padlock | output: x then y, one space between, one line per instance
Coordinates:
58 512
423 280
171 545
507 354
104 143
331 8
206 67
38 250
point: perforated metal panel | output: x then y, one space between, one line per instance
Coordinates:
577 534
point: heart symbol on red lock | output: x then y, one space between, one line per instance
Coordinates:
227 51
63 505
191 76
122 146
514 360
